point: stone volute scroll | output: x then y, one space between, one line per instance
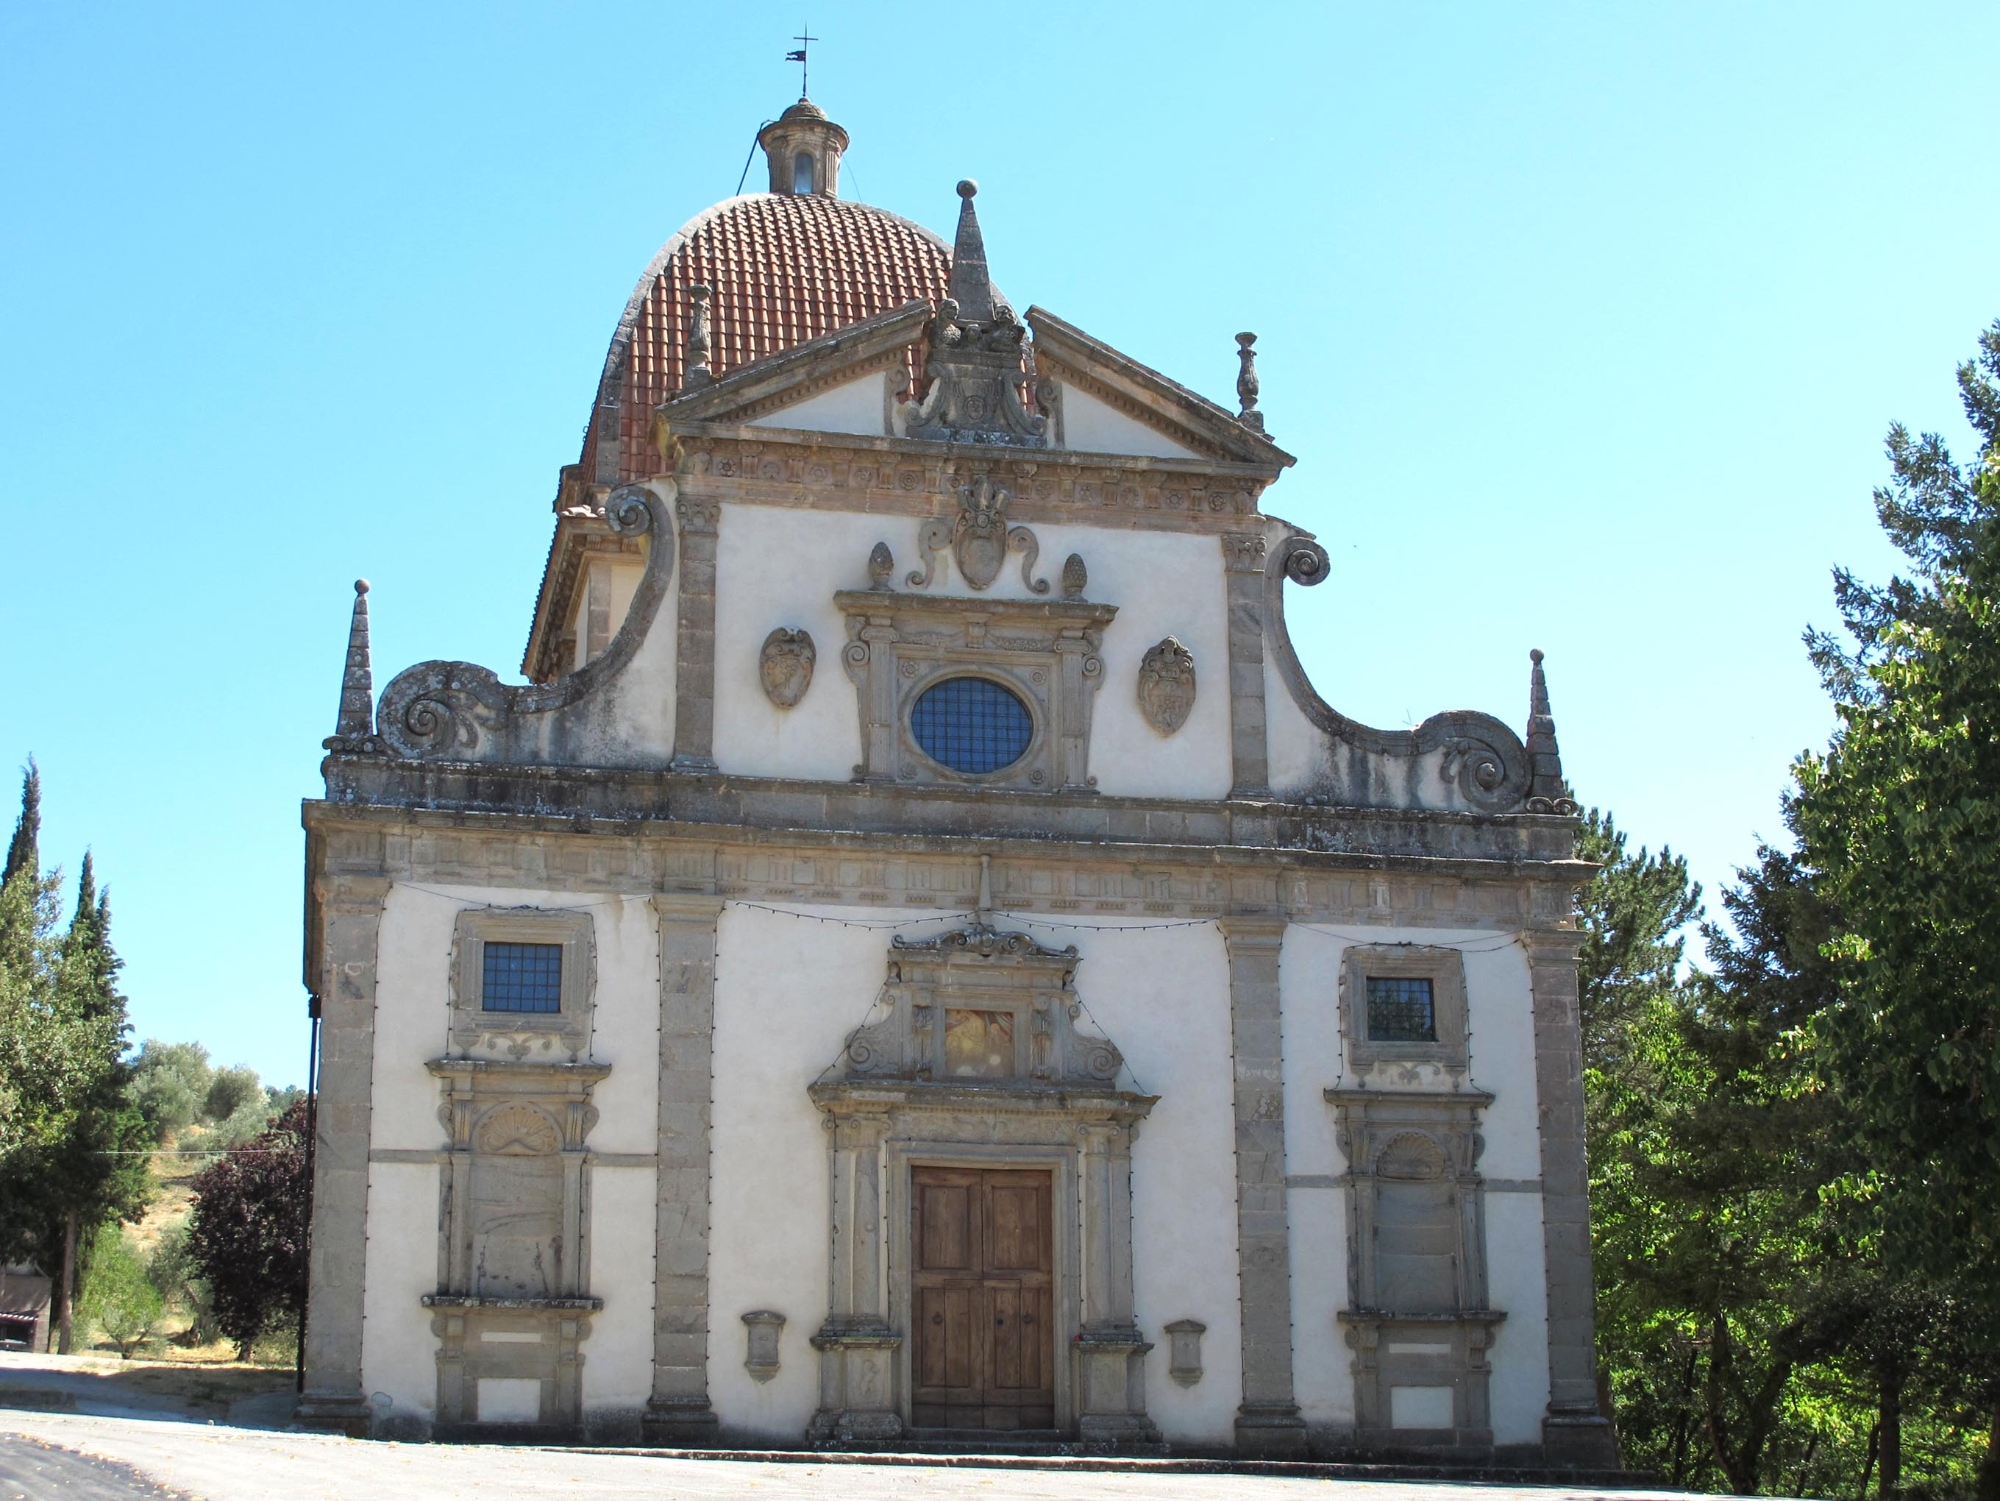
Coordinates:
1166 686
785 665
978 539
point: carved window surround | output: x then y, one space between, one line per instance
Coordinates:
513 1302
1439 1064
888 1111
516 1034
1417 1314
1044 651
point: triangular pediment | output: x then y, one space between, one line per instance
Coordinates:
760 392
1141 394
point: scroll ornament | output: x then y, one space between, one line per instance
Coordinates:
1166 686
786 666
979 540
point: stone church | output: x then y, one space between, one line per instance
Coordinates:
917 962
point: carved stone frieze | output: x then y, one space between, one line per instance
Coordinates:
785 666
979 540
1166 686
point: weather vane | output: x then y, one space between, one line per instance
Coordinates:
805 39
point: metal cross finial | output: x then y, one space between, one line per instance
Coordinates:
805 39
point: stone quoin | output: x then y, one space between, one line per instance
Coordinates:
1055 1024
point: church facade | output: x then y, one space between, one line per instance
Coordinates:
918 961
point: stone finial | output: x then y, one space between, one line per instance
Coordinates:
354 729
1075 577
698 372
1247 384
881 568
971 286
1547 792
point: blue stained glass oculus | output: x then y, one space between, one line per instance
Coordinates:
1401 1010
972 725
522 977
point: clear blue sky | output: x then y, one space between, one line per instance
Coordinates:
1585 323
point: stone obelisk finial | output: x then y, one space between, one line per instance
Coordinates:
698 371
1547 792
1247 384
971 286
355 727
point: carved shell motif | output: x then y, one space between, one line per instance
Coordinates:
786 666
518 1130
1166 686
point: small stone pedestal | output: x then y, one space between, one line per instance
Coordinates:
855 1376
1111 1390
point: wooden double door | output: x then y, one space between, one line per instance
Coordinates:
983 1295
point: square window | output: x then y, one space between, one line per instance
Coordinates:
1401 1010
522 977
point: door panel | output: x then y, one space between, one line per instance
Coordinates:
983 1298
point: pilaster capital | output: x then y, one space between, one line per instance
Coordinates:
1551 946
352 895
1243 552
1247 932
699 514
693 907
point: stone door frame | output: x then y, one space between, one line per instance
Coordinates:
900 1159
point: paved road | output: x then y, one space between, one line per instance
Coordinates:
35 1471
218 1463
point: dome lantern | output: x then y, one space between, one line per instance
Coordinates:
804 149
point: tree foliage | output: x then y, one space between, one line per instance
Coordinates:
247 1234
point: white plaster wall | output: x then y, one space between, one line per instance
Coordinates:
781 567
1500 1013
788 992
857 406
1519 1388
412 1019
618 1356
398 1354
632 716
1295 746
1162 995
1092 426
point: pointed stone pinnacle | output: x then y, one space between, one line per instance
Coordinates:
1547 793
356 722
971 286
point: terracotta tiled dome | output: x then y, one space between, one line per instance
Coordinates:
785 268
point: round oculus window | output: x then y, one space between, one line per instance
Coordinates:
972 725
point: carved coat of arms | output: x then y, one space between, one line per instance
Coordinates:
786 666
979 540
1166 686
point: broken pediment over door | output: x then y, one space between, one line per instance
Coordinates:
980 1007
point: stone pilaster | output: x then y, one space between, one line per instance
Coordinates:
678 1412
1268 1423
1243 569
694 674
350 921
1575 1431
1110 1351
857 1348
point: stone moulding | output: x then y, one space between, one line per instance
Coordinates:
463 712
1479 758
1045 652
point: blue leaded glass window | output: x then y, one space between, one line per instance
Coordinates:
971 725
522 977
1401 1010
